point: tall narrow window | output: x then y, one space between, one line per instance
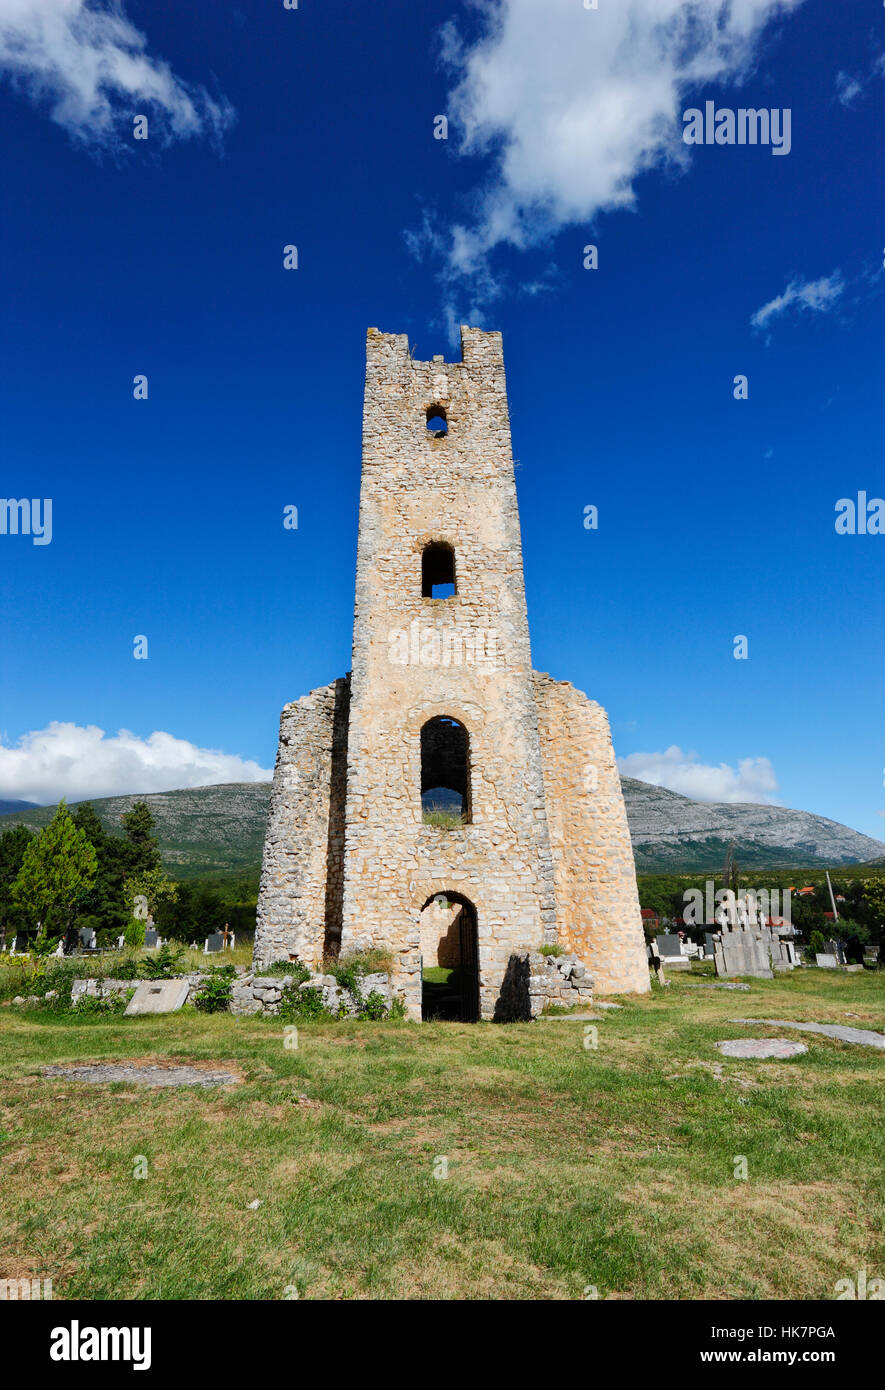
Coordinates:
438 571
445 773
437 423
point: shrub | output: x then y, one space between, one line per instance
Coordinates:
553 949
294 968
134 934
162 964
89 1004
297 1005
215 992
373 1007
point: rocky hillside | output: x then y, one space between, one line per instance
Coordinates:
213 830
203 831
674 834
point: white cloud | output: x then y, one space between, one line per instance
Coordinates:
82 762
848 89
752 780
572 105
817 295
84 61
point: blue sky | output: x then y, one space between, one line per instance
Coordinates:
315 127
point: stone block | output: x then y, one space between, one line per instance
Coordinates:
158 997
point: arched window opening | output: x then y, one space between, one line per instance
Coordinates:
445 773
437 423
438 571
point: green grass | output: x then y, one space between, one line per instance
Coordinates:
446 820
566 1166
439 974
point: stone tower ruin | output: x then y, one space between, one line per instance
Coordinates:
445 802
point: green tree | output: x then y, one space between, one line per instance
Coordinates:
816 943
143 845
153 884
13 844
58 869
874 896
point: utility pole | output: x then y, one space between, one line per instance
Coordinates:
832 899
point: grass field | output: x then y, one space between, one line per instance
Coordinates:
568 1167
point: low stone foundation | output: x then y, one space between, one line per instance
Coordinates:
106 989
533 981
262 994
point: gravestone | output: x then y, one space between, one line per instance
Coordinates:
214 942
826 961
669 945
709 942
87 938
151 939
158 997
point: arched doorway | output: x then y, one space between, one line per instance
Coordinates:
449 959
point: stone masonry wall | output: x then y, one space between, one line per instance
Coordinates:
299 898
459 490
596 896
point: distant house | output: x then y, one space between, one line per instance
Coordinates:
650 918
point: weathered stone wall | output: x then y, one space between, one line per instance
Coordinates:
441 934
348 861
533 981
299 898
256 994
597 902
459 490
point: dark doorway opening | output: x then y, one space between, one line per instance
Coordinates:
451 992
450 987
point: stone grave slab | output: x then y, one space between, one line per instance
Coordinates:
864 1037
104 1073
760 1047
158 997
826 961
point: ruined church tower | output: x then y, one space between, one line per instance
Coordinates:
444 782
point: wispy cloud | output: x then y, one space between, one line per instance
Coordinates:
571 106
85 63
850 88
77 762
752 780
819 296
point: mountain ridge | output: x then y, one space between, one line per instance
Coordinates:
219 829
